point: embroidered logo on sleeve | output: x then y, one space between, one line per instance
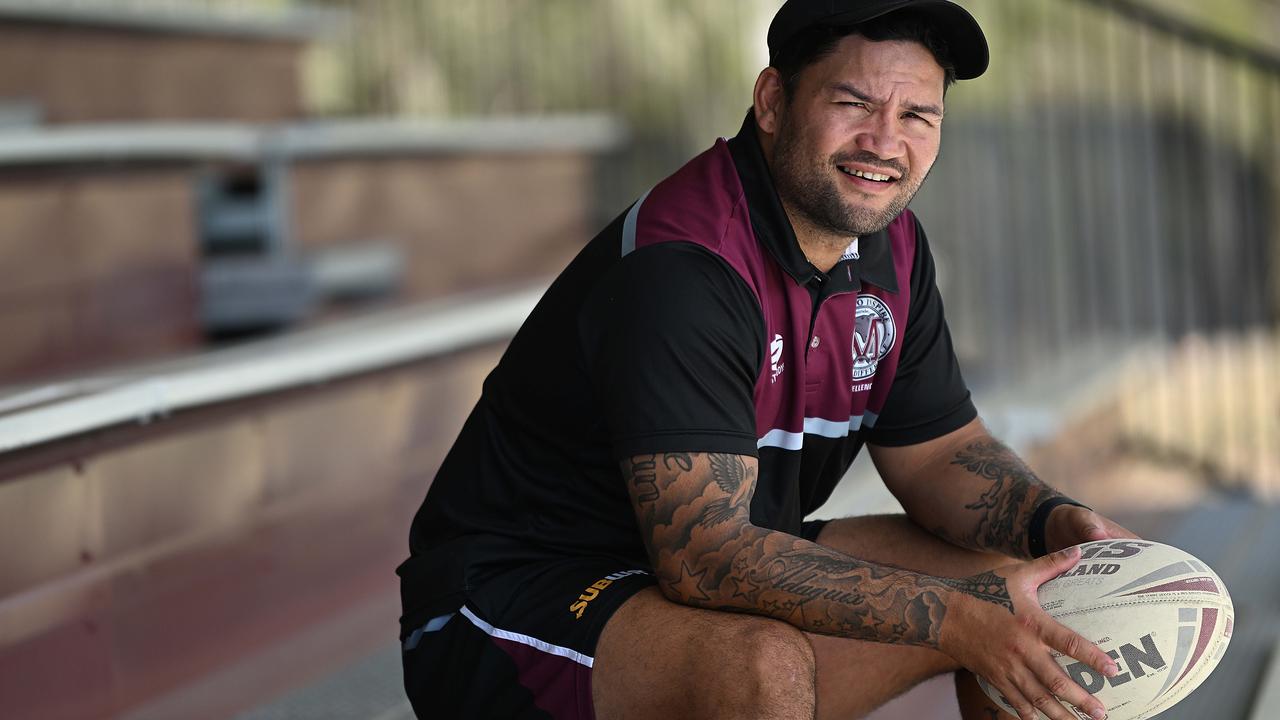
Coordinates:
776 353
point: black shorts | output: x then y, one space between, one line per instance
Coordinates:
521 645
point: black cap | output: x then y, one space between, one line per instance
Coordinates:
961 32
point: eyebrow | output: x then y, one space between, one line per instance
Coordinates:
866 97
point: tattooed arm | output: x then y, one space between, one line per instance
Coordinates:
970 489
693 512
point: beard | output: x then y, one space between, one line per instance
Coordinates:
811 188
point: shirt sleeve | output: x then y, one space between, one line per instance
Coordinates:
929 397
672 339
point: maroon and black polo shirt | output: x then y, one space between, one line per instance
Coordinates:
692 323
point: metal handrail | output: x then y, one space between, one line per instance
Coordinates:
290 23
311 357
588 132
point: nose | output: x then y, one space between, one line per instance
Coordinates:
883 136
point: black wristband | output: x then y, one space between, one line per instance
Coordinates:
1035 532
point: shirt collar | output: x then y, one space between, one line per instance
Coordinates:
772 227
875 264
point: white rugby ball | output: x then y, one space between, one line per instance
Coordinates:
1163 615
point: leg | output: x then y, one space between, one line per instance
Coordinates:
883 671
709 664
701 664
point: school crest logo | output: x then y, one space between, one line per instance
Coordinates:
873 335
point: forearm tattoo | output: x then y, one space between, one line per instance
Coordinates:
694 514
1003 511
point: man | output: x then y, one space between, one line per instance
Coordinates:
618 531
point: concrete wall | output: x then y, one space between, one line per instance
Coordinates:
97 267
83 74
153 558
463 222
100 265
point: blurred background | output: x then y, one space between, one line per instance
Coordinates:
256 257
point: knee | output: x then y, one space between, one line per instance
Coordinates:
771 672
777 654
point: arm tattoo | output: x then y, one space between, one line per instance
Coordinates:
730 474
644 477
706 553
1006 506
987 586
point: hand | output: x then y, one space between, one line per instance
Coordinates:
1069 525
1012 651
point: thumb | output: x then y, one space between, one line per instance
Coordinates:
1054 564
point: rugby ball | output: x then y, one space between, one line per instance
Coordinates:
1160 613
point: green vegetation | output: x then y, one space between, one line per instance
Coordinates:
668 67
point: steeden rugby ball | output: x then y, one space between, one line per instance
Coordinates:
1163 615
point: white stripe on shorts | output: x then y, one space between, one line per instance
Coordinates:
532 642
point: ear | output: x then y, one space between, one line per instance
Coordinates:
769 100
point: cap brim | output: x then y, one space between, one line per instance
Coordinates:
964 36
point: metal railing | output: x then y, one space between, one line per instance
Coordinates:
307 358
1105 205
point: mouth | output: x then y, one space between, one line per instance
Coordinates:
867 175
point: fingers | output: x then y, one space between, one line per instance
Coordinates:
1034 684
1019 703
1042 680
1072 525
1031 699
1073 644
1042 687
1059 685
1054 564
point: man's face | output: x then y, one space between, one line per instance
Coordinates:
855 142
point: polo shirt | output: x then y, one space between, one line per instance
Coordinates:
692 323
